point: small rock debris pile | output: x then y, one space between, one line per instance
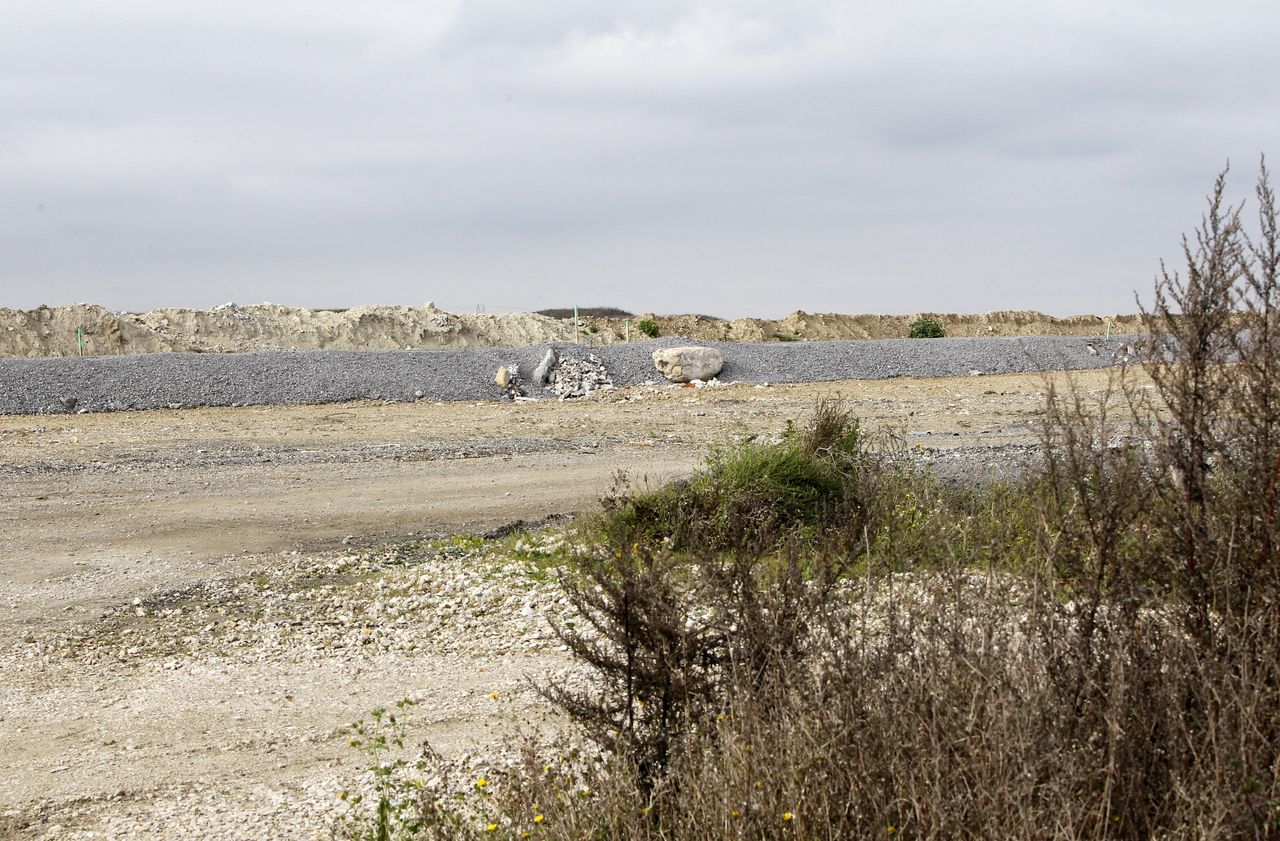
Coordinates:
578 377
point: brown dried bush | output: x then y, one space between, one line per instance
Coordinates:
1092 651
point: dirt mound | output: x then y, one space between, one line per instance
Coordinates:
803 326
54 331
59 331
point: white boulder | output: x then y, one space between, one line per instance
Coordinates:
685 364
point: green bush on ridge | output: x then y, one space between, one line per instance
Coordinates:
926 327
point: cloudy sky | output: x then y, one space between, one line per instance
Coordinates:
730 158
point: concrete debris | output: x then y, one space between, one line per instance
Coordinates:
685 364
579 377
1126 353
543 372
508 379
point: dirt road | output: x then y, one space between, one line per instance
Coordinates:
196 602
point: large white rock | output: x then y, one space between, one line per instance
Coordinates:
685 364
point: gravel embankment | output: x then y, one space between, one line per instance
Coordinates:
158 380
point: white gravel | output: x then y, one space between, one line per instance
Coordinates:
482 612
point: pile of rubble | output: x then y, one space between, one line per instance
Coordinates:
563 377
567 377
509 380
578 377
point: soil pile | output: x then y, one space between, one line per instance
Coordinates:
55 331
803 326
90 330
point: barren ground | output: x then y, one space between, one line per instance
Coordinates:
197 602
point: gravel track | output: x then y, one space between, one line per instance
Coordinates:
158 380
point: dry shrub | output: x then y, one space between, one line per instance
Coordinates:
934 706
821 644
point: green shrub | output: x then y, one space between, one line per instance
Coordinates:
926 327
756 493
784 337
649 327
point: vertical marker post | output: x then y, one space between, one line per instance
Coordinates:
575 324
80 338
626 325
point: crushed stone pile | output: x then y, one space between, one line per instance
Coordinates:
160 380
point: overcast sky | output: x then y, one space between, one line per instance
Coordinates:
730 158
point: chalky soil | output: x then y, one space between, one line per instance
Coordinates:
195 604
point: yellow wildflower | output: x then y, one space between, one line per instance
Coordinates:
493 827
786 816
537 818
481 783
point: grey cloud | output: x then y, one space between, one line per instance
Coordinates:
735 157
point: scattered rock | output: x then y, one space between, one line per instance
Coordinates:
68 402
502 378
685 364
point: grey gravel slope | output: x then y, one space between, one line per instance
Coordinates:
147 381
